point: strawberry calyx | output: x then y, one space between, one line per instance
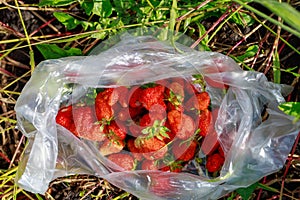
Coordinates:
157 130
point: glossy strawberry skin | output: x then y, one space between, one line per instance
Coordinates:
214 162
152 148
64 117
151 96
134 150
111 145
184 150
85 124
203 100
149 165
197 102
123 160
108 95
181 124
118 130
205 122
104 111
84 119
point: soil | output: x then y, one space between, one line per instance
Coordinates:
16 64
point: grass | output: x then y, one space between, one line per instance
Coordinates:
266 43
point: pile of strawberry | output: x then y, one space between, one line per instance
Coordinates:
155 126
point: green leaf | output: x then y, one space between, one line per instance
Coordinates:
156 3
266 187
247 192
67 20
102 8
276 68
284 10
70 22
290 70
242 19
39 197
173 16
202 31
52 51
56 2
100 35
123 5
291 108
87 6
250 52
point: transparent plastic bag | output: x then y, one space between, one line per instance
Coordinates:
253 147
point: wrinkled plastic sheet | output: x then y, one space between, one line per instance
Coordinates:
253 148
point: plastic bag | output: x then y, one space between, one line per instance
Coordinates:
253 147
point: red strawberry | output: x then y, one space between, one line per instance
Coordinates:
149 165
117 130
198 102
203 100
84 121
64 117
104 94
158 111
175 120
123 160
187 128
146 120
181 124
111 146
134 95
104 103
205 122
151 96
214 162
97 133
103 110
184 150
135 151
152 148
221 151
108 95
154 155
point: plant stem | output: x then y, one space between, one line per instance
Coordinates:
31 53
